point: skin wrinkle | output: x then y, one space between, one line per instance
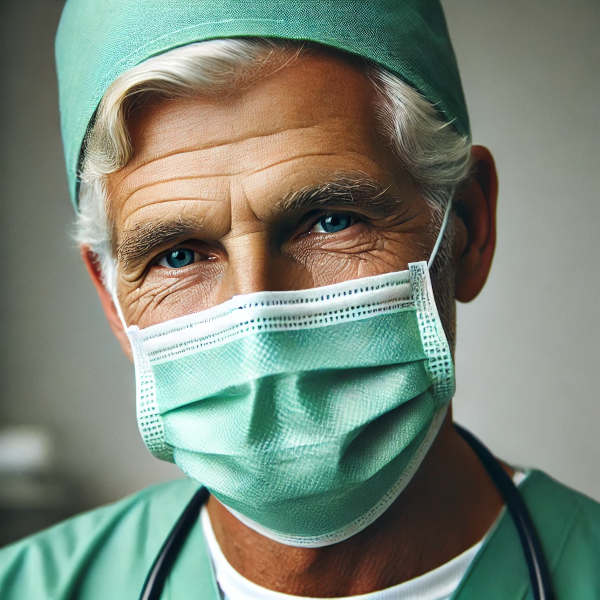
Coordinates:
245 204
127 172
260 251
302 127
364 256
247 172
128 198
179 178
186 205
285 160
214 175
155 201
159 294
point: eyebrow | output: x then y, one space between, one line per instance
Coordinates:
351 190
143 240
346 190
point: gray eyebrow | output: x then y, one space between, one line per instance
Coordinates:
345 190
143 240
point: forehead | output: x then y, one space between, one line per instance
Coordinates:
313 117
313 87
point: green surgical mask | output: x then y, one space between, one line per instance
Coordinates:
306 413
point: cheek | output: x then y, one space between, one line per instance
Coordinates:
165 294
365 254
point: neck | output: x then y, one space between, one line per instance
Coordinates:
448 506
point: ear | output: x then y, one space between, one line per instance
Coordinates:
476 225
93 268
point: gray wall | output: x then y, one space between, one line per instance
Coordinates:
527 347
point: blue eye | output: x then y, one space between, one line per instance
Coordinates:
333 223
175 259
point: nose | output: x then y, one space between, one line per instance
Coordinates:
250 266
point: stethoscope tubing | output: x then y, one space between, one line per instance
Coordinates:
534 557
157 575
532 549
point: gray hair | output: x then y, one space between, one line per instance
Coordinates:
429 148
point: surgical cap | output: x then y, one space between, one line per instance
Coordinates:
98 40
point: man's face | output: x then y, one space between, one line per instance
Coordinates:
288 184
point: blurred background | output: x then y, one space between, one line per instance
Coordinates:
528 349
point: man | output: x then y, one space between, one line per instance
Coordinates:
262 218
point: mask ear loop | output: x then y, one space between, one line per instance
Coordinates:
440 236
115 299
119 312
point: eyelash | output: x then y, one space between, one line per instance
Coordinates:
189 247
315 220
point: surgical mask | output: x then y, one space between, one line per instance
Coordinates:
306 413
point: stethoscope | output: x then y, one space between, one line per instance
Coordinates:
536 563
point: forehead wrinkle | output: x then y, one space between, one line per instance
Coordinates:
189 150
286 160
164 201
129 173
151 184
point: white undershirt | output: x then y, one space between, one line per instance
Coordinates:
438 584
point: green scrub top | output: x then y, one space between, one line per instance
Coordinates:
107 552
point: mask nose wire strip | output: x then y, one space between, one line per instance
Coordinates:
440 236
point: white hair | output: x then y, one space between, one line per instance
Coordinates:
428 147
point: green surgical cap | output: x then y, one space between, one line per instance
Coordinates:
98 40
